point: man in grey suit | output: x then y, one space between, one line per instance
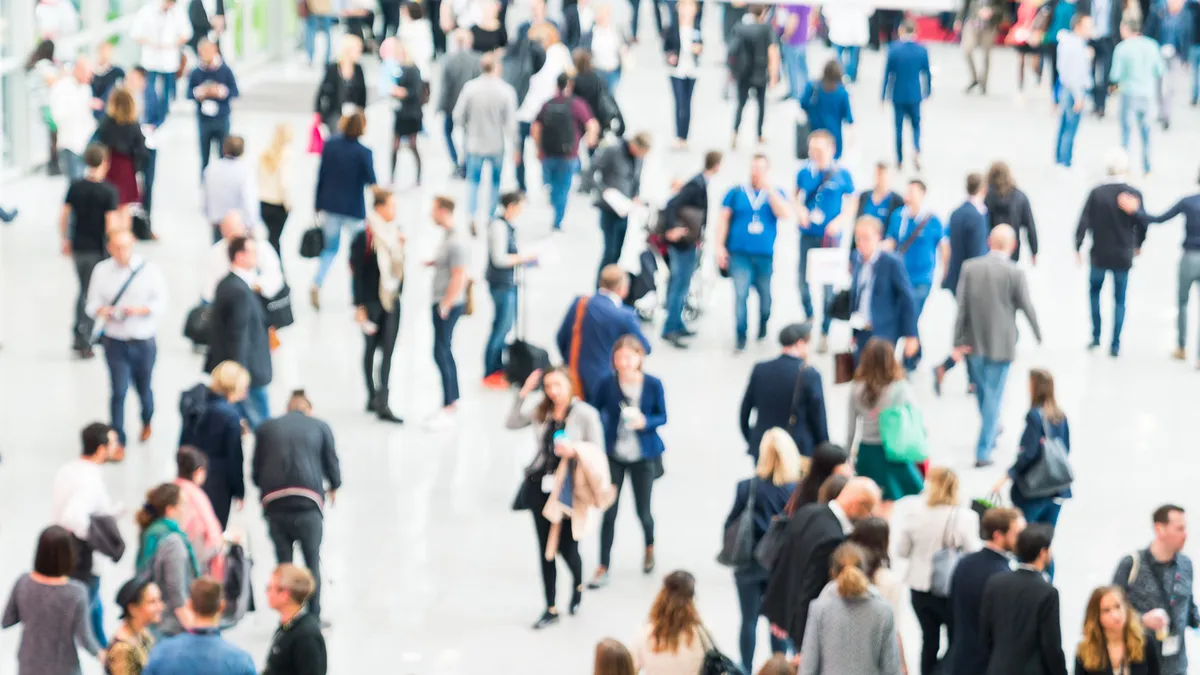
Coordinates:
990 291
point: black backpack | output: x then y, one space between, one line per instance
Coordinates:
558 128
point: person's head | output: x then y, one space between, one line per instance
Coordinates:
354 125
191 465
941 487
1000 179
872 534
1003 239
1083 25
627 356
907 29
878 369
760 171
384 202
883 176
281 140
859 498
794 339
1041 394
545 34
489 64
206 599
831 488
135 79
121 108
207 51
1170 528
563 83
413 10
443 211
44 51
289 588
831 76
712 161
914 195
141 602
1174 6
1116 162
81 70
582 58
758 13
603 14
243 253
827 459
1000 527
104 52
821 147
231 381
639 145
848 569
614 280
673 616
612 658
167 5
1109 613
868 232
299 402
55 554
120 247
557 390
351 49
233 147
233 226
162 501
1033 545
976 187
99 442
512 204
1131 27
778 665
687 9
779 460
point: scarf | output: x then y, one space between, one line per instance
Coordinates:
154 535
385 240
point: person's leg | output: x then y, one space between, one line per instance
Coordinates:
522 135
677 94
205 135
929 619
1189 275
1194 72
740 272
997 374
280 531
760 96
1120 283
634 11
970 40
749 591
84 264
148 168
143 355
852 66
826 304
898 121
119 374
332 226
443 352
683 265
914 120
416 153
310 37
763 271
560 189
549 568
370 346
474 168
568 550
641 475
788 54
1095 285
608 526
96 611
743 95
448 130
389 331
504 304
1143 120
987 39
259 405
310 529
495 166
1103 64
689 87
807 243
326 29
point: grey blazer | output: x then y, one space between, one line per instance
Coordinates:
850 635
583 422
990 291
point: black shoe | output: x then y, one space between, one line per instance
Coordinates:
939 374
599 581
762 332
548 618
576 599
1166 125
1093 344
460 173
983 463
86 353
740 346
675 340
686 332
385 414
372 404
971 87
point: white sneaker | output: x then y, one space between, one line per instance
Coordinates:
441 420
823 345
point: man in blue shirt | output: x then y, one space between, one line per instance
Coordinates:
201 649
746 243
917 235
906 76
880 201
967 236
824 201
211 85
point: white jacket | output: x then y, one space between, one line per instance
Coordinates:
544 83
71 110
418 41
848 23
160 34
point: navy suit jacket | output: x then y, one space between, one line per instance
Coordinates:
694 193
769 395
607 397
906 74
604 322
968 232
968 655
893 308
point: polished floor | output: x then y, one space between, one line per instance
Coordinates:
427 570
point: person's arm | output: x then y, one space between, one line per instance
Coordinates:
721 237
779 204
12 614
748 405
891 231
1085 224
171 577
517 418
329 459
926 76
256 460
1025 303
270 270
889 74
986 630
740 500
64 227
358 284
94 301
908 304
1121 574
773 63
962 318
84 637
815 407
889 647
944 254
324 100
233 443
1140 229
1030 226
458 278
851 419
1029 448
1050 636
1162 218
847 111
459 112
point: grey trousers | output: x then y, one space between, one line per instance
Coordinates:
85 262
978 37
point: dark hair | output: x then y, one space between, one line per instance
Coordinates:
1000 178
1162 515
380 196
831 76
872 535
233 146
95 154
140 70
1032 541
712 159
919 183
1041 388
95 436
189 460
55 555
878 369
778 665
158 500
444 203
132 593
612 658
997 521
511 198
205 595
974 183
831 488
825 458
237 245
583 60
414 11
44 50
564 81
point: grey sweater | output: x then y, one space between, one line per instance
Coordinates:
458 68
486 111
171 569
56 620
850 635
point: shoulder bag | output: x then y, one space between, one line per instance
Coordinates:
944 561
312 242
278 310
768 548
715 663
738 548
1050 473
902 433
576 345
195 326
912 236
98 331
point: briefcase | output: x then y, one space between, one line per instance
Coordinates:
279 309
843 367
523 359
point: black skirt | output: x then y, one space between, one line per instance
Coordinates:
406 125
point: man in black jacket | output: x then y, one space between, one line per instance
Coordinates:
298 647
294 462
683 244
754 64
786 393
1117 237
238 327
618 167
1020 613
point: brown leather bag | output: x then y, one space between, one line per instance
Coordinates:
843 367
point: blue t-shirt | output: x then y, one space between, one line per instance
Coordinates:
823 194
921 257
752 223
882 210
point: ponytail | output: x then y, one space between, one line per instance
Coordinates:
846 568
158 500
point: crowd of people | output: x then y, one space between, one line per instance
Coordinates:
813 535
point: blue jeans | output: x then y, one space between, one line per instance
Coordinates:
1065 149
682 88
751 585
72 165
611 79
443 354
256 409
1194 66
130 361
913 112
807 243
504 305
312 26
558 172
1189 275
920 295
1095 284
612 229
682 262
751 270
795 62
213 131
1136 109
448 129
475 176
1044 511
522 135
849 58
990 378
166 90
332 224
96 611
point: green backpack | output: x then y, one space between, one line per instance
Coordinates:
903 434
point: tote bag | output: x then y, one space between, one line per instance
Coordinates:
738 548
902 434
944 561
1050 473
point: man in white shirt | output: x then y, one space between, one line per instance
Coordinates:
71 107
162 29
269 279
55 19
126 296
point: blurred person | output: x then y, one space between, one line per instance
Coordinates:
165 556
74 107
105 75
557 129
459 67
268 281
592 327
197 518
211 85
1106 17
827 104
673 642
486 27
786 393
684 231
879 202
917 235
408 96
966 234
827 460
211 422
450 289
849 31
274 174
238 328
320 20
683 46
608 45
778 665
1008 205
162 28
908 82
824 200
1073 63
588 85
347 168
298 647
578 19
43 72
141 606
343 89
979 21
544 84
881 296
55 19
121 133
421 35
231 184
485 112
1114 638
201 649
89 214
794 23
505 261
612 658
617 168
754 60
1137 69
152 113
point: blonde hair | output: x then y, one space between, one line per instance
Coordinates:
847 568
941 486
1093 648
297 581
778 458
229 379
272 157
121 107
545 33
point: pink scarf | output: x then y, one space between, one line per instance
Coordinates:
199 522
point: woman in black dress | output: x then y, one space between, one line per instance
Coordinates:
408 97
344 88
488 34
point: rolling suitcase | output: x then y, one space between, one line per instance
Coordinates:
523 357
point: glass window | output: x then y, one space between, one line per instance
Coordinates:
7 30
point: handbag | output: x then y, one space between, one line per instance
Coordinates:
278 309
843 367
768 548
839 307
312 242
715 663
195 326
944 561
1051 472
738 547
316 140
981 505
902 434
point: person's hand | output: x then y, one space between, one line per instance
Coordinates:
637 422
697 48
564 450
676 185
672 60
66 247
137 311
1155 620
985 13
102 655
429 263
399 92
104 313
774 80
531 383
911 345
97 104
722 258
443 310
960 352
832 229
1137 252
518 157
239 504
676 233
958 26
529 259
778 632
1000 484
1033 261
360 314
1078 258
1079 106
1129 203
331 497
802 216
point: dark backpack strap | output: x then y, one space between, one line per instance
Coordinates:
912 236
797 393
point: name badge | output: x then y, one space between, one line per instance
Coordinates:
209 108
547 483
755 226
1170 646
816 216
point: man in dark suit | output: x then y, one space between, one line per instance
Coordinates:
585 342
802 569
1020 613
784 392
907 77
238 328
968 232
967 655
683 243
881 297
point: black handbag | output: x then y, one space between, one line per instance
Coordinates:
716 663
839 307
313 242
523 357
278 309
738 547
195 326
768 548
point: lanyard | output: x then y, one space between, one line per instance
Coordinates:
756 198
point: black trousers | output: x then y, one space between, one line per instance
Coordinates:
434 14
383 340
932 613
85 262
390 11
641 475
148 181
274 216
305 527
568 548
743 95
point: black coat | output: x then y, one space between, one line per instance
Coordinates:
238 330
967 654
335 91
1012 209
693 194
769 395
298 648
573 34
802 569
1020 625
1116 235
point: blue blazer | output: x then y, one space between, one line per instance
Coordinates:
604 322
1031 449
606 399
347 168
906 74
769 396
968 232
968 655
769 501
893 308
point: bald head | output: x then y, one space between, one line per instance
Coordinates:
1003 238
233 225
859 498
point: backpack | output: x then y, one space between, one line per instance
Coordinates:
558 128
239 596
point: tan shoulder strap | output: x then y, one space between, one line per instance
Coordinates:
576 344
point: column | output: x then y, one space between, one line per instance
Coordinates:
18 106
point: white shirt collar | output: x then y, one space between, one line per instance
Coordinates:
135 261
248 276
617 300
843 519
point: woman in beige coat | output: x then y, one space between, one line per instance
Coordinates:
568 483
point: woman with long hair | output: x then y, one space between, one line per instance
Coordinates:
409 118
273 175
934 524
196 517
612 658
1114 641
827 104
683 45
121 133
54 609
343 90
1008 205
141 606
43 71
212 424
780 466
672 642
165 556
569 439
879 384
827 460
849 601
632 407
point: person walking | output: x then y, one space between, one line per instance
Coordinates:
849 31
1137 69
201 649
73 107
274 173
1114 638
347 168
990 292
450 290
165 556
162 28
238 329
321 19
979 22
231 185
298 647
683 222
618 169
919 238
786 393
683 46
408 99
212 424
541 85
1073 63
152 114
966 234
754 61
827 105
881 296
89 213
1008 205
486 114
556 131
1172 25
907 81
121 133
505 261
880 201
141 606
1019 620
197 518
592 327
211 85
343 89
674 639
794 24
295 467
459 67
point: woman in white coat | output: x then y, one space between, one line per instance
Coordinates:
849 32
